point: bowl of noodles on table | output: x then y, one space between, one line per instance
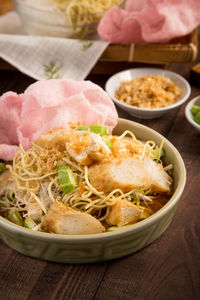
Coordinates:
83 194
62 18
78 184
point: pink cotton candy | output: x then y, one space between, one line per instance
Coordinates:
150 21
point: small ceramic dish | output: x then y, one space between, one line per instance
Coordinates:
109 245
114 81
188 114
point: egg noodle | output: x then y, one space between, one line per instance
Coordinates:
35 188
82 13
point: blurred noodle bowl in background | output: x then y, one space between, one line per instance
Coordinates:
62 18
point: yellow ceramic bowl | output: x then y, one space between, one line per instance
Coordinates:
109 245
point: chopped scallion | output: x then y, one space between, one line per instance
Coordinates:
158 153
29 223
107 142
66 179
98 129
195 109
197 118
12 197
2 167
15 217
135 199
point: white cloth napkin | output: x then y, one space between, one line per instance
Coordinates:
47 57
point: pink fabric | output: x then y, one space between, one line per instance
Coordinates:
150 21
51 104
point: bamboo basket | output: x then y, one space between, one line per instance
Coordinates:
180 50
118 57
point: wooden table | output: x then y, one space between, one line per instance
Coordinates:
168 269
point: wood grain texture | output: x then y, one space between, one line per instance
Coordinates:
5 6
168 269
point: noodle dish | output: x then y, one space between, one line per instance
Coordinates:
83 180
77 183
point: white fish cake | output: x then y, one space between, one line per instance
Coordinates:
123 212
86 147
124 173
62 219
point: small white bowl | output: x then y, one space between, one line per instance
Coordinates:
188 113
114 81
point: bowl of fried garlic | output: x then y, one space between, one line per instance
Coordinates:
148 93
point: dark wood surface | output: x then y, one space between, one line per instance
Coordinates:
168 269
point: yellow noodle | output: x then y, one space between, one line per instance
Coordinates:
49 189
32 178
90 186
84 198
81 14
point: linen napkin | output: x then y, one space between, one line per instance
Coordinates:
47 57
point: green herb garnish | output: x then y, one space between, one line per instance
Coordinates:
15 217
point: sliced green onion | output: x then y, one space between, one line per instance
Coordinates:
29 223
98 129
2 167
195 109
12 197
107 142
197 118
135 199
66 179
158 153
146 192
15 217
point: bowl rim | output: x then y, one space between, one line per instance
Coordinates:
42 9
149 110
97 237
188 114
